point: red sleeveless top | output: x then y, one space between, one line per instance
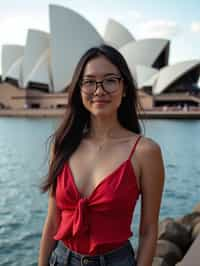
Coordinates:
101 222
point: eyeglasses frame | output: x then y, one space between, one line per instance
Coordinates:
101 83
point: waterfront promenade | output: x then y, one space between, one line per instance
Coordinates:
155 113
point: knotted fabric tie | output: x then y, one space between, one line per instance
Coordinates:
80 219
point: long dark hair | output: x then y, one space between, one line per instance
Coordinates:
68 136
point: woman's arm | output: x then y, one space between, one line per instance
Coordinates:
47 243
151 181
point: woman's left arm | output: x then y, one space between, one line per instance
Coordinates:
151 182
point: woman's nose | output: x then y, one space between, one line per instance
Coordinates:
99 89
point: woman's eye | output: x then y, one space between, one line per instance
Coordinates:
110 80
88 82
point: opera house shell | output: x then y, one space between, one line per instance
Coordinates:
35 65
44 66
12 57
71 36
116 34
170 75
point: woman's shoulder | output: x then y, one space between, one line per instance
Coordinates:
148 145
145 144
148 152
144 147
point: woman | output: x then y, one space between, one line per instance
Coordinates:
100 164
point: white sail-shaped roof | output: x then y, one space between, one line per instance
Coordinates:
15 71
116 34
36 45
144 74
152 81
41 72
169 75
71 36
11 61
144 52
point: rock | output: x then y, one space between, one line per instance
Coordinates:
190 220
195 231
176 233
169 251
157 261
196 208
166 221
163 224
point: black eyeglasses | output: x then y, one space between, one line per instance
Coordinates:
109 85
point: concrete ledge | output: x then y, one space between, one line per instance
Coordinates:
154 114
192 257
150 114
32 112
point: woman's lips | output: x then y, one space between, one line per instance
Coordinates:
100 102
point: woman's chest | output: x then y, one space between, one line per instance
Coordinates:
88 173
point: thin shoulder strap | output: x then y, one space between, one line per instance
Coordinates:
134 147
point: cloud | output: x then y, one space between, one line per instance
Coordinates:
195 26
159 29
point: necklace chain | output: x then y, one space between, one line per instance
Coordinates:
100 146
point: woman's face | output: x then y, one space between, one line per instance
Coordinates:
102 98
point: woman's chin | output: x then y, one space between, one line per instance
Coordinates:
101 113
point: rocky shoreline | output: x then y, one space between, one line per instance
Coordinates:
176 237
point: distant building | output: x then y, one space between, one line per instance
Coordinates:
12 97
145 100
116 34
37 75
177 85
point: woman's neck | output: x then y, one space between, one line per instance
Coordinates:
104 128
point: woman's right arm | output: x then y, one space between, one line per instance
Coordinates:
47 243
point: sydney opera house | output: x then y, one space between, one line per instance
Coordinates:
36 76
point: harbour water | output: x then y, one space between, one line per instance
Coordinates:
23 161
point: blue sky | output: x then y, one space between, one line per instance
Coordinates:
176 20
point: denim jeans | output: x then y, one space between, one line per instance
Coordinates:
63 256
